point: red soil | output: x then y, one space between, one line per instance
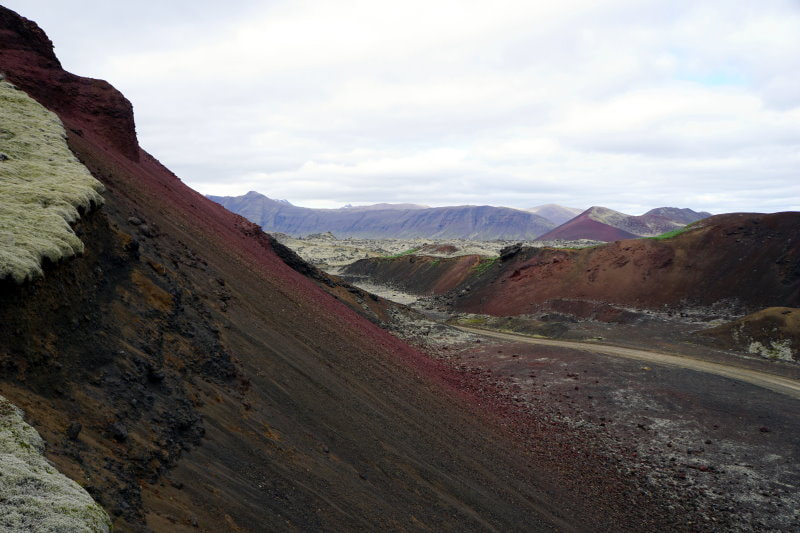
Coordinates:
747 260
739 262
583 227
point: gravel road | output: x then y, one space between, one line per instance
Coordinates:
790 387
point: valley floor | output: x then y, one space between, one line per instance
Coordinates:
714 437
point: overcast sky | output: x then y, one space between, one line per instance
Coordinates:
628 104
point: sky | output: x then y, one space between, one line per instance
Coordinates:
621 103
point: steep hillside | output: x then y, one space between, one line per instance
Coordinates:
739 261
603 224
461 222
191 380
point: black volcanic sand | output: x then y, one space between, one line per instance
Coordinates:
722 450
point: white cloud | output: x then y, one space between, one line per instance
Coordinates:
619 103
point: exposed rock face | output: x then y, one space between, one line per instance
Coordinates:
461 222
749 261
603 224
90 107
34 496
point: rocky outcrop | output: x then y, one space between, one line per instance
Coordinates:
86 106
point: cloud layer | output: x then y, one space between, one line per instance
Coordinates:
619 103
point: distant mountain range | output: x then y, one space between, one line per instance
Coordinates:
557 214
382 221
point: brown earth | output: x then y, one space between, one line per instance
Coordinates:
737 263
420 274
773 332
192 380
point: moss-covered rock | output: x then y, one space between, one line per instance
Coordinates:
34 496
42 187
772 333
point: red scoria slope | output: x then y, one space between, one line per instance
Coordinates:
742 260
584 227
603 224
746 260
192 381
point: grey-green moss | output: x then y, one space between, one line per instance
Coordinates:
34 496
42 186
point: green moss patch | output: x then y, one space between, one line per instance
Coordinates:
34 496
43 187
484 265
676 231
410 251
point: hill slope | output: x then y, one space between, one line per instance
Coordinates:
461 222
743 261
603 224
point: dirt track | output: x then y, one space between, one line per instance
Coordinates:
772 382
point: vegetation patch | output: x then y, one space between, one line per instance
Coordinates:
410 251
781 349
469 320
675 232
34 496
43 187
484 265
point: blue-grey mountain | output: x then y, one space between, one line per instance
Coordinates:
460 222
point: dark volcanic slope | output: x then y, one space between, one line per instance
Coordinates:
191 380
747 260
461 222
603 224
